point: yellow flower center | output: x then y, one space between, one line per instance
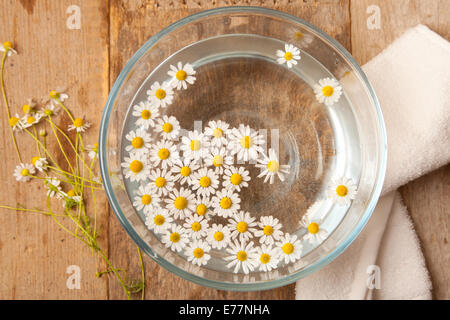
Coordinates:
195 145
146 199
265 258
218 133
201 209
341 190
205 182
31 120
196 226
146 114
217 161
7 45
180 203
136 166
313 228
159 220
246 142
288 248
218 236
70 193
25 172
236 179
181 75
54 94
34 160
160 182
273 166
198 252
288 56
78 122
241 255
26 108
185 171
163 153
268 230
327 91
175 237
242 226
167 127
48 112
137 142
225 203
299 35
160 94
13 121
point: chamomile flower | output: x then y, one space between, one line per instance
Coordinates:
226 203
175 238
8 48
57 96
161 181
301 38
242 226
217 131
135 167
139 141
218 236
267 258
181 75
71 200
194 145
164 152
147 113
203 206
29 120
219 159
16 123
342 191
29 107
161 95
54 188
181 203
205 182
168 127
242 256
158 220
146 200
197 252
270 166
328 91
289 248
290 55
79 124
196 227
50 110
40 163
92 150
23 171
269 230
245 143
235 179
184 170
316 234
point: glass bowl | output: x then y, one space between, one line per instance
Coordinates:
233 51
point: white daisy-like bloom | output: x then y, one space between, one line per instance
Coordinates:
146 200
70 200
217 132
268 258
50 110
301 38
161 181
242 256
342 190
181 75
197 252
226 203
23 171
168 127
40 163
92 150
15 123
289 248
218 236
219 159
58 95
290 55
139 141
196 226
164 152
245 143
160 95
79 124
328 91
203 206
195 145
270 166
159 221
135 167
147 114
313 211
205 182
175 238
181 203
31 119
269 230
242 226
235 178
8 48
315 234
29 107
184 170
54 188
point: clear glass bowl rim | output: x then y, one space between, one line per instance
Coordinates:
227 285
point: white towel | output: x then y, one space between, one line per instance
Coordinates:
412 81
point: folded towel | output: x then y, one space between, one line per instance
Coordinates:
412 80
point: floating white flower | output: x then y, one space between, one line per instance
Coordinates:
139 141
147 113
23 171
40 163
226 203
218 236
146 200
159 221
92 150
269 230
205 182
161 181
194 145
218 132
181 203
16 123
197 252
160 94
289 248
175 238
242 226
303 39
8 48
267 257
31 119
196 227
54 188
242 256
290 55
245 143
135 167
342 191
219 158
236 179
270 166
184 170
79 124
181 75
168 127
328 91
203 206
315 234
164 152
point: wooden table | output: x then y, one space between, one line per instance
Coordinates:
35 253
